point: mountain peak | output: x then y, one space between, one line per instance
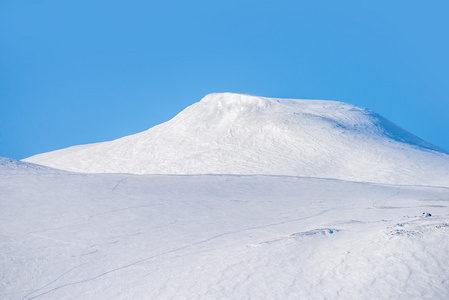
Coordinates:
235 98
227 133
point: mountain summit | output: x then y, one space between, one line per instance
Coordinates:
228 133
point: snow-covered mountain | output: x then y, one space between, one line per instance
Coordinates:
241 134
66 235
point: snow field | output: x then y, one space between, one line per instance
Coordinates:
78 236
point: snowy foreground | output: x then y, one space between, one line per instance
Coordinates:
108 236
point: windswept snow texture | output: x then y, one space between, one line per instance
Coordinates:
116 236
11 165
241 134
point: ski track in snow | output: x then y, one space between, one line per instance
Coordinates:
152 257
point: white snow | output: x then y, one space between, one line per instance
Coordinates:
316 200
241 134
120 236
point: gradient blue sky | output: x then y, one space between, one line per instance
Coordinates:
76 72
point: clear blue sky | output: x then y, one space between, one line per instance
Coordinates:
76 72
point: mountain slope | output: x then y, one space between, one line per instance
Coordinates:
241 134
9 165
122 236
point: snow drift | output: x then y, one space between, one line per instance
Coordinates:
241 134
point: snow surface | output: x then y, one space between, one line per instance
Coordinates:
376 228
119 236
241 134
13 164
